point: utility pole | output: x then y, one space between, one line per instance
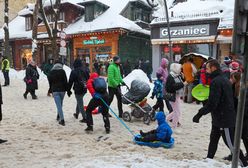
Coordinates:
151 3
240 48
6 29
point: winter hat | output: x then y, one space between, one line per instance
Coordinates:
164 62
116 58
227 60
234 66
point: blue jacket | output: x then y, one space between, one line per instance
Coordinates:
164 131
158 89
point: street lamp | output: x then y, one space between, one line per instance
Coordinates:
153 5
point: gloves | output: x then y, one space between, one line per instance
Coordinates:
197 117
69 93
97 96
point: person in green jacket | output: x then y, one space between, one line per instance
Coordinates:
115 82
5 70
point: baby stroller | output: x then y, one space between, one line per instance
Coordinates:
136 97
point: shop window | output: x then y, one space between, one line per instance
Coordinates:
93 10
26 56
62 16
28 23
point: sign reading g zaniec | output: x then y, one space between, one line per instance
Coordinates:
186 31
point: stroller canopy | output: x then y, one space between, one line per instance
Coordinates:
138 91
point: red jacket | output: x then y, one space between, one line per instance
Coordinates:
89 84
205 80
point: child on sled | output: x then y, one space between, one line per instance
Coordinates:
162 133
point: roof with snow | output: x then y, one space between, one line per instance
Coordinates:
198 9
110 19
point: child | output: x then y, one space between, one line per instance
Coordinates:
158 92
162 133
98 88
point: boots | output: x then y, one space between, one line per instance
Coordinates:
57 117
89 129
2 141
107 130
34 97
62 122
25 96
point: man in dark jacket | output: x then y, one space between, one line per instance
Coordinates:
58 86
31 80
221 106
78 79
47 69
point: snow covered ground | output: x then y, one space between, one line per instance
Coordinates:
35 139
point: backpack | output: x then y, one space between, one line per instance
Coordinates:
100 85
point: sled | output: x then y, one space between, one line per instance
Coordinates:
200 92
93 112
155 144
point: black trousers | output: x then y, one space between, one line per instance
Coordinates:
149 136
94 103
117 92
159 104
1 117
6 77
32 92
245 134
227 135
168 105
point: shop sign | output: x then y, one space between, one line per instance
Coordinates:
186 31
62 43
62 50
93 42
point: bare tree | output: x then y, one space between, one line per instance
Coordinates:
34 31
6 29
52 30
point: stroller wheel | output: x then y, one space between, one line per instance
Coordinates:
126 116
152 115
146 119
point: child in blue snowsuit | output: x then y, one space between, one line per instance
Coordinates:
158 92
162 133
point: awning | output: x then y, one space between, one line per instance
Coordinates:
188 40
224 39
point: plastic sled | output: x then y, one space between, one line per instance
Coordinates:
93 112
200 92
155 144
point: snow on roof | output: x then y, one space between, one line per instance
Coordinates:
17 29
27 10
204 9
110 19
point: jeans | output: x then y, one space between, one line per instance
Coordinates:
58 98
6 77
80 105
187 92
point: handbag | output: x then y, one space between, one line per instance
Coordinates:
170 96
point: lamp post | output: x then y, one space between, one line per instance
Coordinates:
153 5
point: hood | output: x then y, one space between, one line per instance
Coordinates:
160 117
94 75
77 63
57 66
176 68
164 62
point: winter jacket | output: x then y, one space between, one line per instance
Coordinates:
57 79
225 70
220 102
189 72
158 89
31 77
163 131
163 71
78 78
173 83
204 77
114 75
90 86
47 68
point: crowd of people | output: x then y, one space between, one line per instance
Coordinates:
169 88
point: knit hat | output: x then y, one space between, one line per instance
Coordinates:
227 60
116 58
164 61
234 66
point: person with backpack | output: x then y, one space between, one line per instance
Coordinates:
58 86
98 88
78 79
47 67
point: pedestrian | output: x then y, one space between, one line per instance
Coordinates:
225 67
5 70
147 68
31 80
78 78
162 133
220 104
127 68
163 69
47 67
173 86
96 66
115 82
189 71
158 92
58 86
98 87
1 102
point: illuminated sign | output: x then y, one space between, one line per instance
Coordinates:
93 42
